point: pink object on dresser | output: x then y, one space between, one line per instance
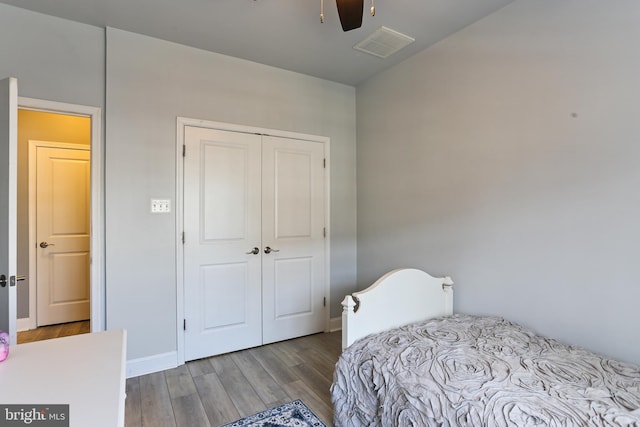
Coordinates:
4 345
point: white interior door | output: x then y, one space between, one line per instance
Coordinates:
293 223
222 283
8 203
63 227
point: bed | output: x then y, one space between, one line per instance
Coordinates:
424 366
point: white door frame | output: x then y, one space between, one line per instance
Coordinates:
182 122
33 253
98 320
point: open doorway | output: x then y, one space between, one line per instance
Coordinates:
54 224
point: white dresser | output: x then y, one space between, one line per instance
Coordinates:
85 371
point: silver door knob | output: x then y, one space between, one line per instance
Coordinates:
268 250
44 245
254 251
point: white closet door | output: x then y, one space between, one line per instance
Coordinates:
222 277
293 227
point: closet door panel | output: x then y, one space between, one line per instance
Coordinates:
293 238
222 277
292 186
293 287
224 189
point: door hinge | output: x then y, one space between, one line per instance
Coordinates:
183 237
324 232
184 324
184 150
324 302
324 163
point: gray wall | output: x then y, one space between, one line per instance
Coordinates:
53 59
56 60
149 83
507 157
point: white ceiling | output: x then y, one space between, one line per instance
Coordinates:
282 33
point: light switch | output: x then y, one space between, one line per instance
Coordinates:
160 205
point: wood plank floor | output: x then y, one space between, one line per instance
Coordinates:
221 389
54 331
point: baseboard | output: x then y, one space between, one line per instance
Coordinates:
335 324
24 324
151 364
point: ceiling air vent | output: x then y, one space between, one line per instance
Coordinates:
384 42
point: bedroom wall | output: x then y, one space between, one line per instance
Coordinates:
149 83
56 60
53 59
507 157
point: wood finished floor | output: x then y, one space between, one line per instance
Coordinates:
221 389
54 331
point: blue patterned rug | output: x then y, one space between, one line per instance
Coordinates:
292 414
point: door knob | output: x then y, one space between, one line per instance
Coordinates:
268 250
44 245
3 281
254 251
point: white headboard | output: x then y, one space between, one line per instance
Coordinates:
399 297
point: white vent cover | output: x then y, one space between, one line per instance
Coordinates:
384 42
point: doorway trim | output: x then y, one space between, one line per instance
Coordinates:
98 321
183 122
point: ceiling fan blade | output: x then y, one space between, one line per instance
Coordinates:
350 12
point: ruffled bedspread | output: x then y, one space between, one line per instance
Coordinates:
479 371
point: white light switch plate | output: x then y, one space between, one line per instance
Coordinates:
160 205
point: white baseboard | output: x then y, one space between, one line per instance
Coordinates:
151 364
335 324
24 324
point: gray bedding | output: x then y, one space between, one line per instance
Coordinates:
479 371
